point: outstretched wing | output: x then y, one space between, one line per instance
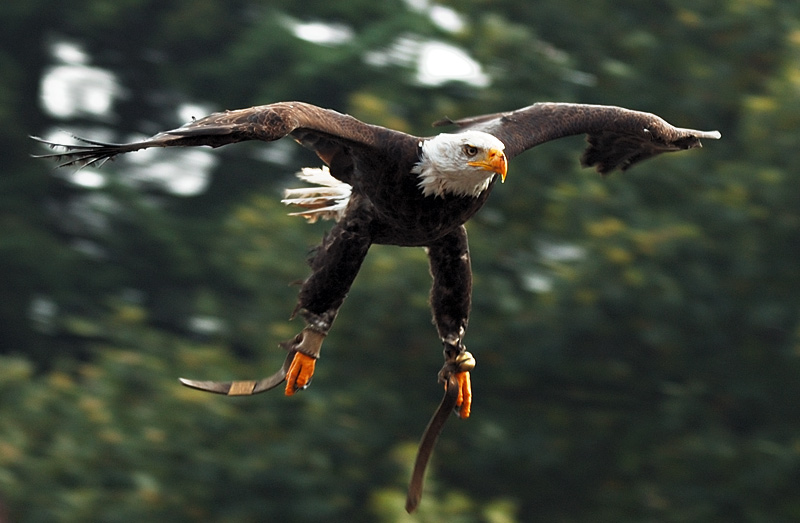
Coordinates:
618 138
330 133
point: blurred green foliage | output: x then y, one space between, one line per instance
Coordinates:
637 337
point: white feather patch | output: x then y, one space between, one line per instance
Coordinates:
328 201
444 168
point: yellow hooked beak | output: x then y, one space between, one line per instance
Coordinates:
495 160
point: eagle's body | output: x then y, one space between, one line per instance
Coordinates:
387 197
408 191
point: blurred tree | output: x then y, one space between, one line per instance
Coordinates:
637 337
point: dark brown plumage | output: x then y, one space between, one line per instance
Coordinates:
409 191
618 138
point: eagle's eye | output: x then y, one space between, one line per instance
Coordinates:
470 150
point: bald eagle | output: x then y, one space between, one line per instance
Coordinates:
383 186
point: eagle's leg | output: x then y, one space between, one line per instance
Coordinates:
450 301
451 296
334 264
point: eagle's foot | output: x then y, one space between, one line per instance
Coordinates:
458 366
300 372
306 347
464 401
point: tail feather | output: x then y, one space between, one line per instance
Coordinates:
328 201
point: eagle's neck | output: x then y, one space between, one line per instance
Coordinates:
441 173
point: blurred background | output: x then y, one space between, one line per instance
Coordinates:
636 336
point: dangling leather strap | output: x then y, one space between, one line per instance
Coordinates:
428 442
243 388
309 342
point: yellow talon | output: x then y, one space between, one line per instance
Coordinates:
465 362
464 401
300 372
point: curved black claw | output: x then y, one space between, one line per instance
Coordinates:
246 387
464 362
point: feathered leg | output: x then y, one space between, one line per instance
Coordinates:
335 264
450 300
451 297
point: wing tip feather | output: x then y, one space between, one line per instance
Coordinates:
706 135
87 153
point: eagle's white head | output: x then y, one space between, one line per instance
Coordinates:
462 164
